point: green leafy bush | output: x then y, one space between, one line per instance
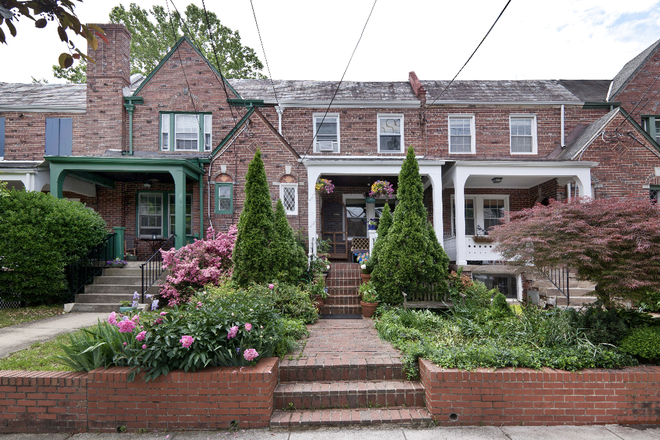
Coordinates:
500 307
39 236
600 326
643 342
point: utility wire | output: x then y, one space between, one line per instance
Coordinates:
475 51
342 78
639 102
264 51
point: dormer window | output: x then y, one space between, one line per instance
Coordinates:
326 133
185 132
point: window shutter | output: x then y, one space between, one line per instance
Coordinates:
66 137
2 137
52 136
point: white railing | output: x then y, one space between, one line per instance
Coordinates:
479 250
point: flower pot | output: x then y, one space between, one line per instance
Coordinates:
371 227
117 265
123 309
131 257
365 277
368 309
371 200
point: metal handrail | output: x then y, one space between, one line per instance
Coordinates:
152 269
83 271
560 278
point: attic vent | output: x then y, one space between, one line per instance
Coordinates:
326 145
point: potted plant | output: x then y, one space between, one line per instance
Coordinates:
381 188
324 186
369 299
371 225
117 262
363 258
319 293
130 257
127 306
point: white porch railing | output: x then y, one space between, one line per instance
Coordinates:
475 251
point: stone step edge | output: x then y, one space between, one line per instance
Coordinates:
310 419
348 387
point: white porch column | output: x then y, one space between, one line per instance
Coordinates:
459 205
583 182
313 174
436 184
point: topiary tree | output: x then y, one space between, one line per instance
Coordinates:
291 258
411 259
614 243
383 227
253 259
39 236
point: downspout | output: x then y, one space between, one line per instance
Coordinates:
129 104
562 126
280 111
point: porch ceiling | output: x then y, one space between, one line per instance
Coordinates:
515 182
359 181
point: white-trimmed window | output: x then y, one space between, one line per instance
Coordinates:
390 133
186 131
481 212
150 215
172 213
461 134
289 197
523 134
326 133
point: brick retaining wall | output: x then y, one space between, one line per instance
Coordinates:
541 397
103 400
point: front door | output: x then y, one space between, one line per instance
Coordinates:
332 228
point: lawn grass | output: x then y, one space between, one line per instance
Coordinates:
10 317
41 356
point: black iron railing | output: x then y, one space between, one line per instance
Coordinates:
560 278
83 271
152 269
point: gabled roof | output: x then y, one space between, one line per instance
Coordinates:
167 57
499 91
593 130
300 91
630 69
588 90
54 97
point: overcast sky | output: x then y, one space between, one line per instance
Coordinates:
313 40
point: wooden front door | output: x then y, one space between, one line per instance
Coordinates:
333 228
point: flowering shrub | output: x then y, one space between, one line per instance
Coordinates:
381 188
195 265
324 186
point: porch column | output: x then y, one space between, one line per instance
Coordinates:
583 182
312 175
459 204
180 206
57 176
201 206
436 185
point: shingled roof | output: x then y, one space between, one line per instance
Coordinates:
499 91
588 90
57 97
587 136
629 70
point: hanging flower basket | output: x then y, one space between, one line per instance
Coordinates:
324 186
482 239
381 188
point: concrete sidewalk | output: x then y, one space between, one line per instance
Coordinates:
598 432
18 337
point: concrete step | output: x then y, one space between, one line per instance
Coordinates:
96 298
343 300
331 309
368 394
358 417
575 293
101 307
111 279
112 288
576 301
122 271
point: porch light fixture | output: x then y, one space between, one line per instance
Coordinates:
497 180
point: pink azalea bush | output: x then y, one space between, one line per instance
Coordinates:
197 264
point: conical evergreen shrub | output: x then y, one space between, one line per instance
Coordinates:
290 258
383 227
411 259
253 259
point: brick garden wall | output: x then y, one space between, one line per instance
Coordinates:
541 397
103 400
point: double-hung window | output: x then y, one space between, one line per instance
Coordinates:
186 132
461 134
523 134
157 214
224 198
390 133
326 133
172 213
482 212
289 197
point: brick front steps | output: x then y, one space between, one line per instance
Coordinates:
343 297
346 376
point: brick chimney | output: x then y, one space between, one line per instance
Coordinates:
107 122
417 87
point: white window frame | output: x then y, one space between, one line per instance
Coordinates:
165 131
155 195
534 136
473 140
170 215
208 132
320 117
168 127
295 188
382 117
478 208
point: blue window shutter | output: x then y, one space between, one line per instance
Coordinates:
52 136
66 137
2 137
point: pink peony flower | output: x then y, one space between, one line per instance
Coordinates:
140 337
248 326
232 332
186 341
136 319
163 313
158 321
112 318
271 286
250 354
126 326
125 343
144 347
